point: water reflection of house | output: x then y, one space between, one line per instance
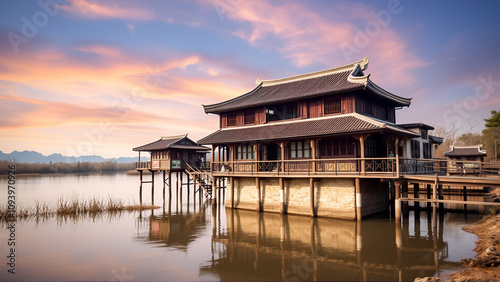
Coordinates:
178 228
465 159
268 246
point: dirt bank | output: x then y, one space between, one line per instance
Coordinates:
486 265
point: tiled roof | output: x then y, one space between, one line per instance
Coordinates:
436 139
172 142
466 151
416 125
333 125
336 80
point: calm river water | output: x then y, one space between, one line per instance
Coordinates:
189 240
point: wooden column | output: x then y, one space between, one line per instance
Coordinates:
313 147
214 191
282 195
259 199
396 154
232 149
416 194
397 202
188 184
282 147
362 153
313 207
164 184
140 187
213 159
169 184
434 196
358 199
256 157
465 193
152 187
428 186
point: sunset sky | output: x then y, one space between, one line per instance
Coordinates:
81 77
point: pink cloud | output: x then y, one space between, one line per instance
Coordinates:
307 37
107 9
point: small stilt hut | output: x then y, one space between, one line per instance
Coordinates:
169 154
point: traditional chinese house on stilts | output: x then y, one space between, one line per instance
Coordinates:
174 154
319 144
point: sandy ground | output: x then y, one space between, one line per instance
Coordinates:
486 265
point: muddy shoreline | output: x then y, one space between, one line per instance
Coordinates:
486 265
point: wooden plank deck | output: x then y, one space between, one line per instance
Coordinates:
451 202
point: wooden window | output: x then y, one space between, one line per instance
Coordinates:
337 147
282 112
249 117
245 152
231 119
300 150
423 133
427 151
333 105
415 149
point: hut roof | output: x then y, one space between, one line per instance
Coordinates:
180 142
465 151
336 80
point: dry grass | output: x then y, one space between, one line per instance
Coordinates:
73 207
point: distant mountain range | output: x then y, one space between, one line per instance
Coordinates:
35 157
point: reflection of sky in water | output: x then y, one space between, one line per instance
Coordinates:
175 242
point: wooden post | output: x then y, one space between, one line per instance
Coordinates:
397 203
416 194
259 199
404 205
188 184
428 195
396 153
440 193
434 189
232 192
164 184
256 157
140 187
213 160
362 149
465 193
313 147
152 187
169 184
313 208
214 191
282 147
282 195
358 199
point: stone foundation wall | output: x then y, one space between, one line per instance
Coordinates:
334 197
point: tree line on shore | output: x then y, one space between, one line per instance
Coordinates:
60 167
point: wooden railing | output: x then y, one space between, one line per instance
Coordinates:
359 166
143 165
356 166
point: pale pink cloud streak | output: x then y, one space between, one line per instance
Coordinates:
307 37
107 9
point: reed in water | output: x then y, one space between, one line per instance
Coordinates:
72 206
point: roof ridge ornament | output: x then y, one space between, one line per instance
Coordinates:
355 66
174 137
